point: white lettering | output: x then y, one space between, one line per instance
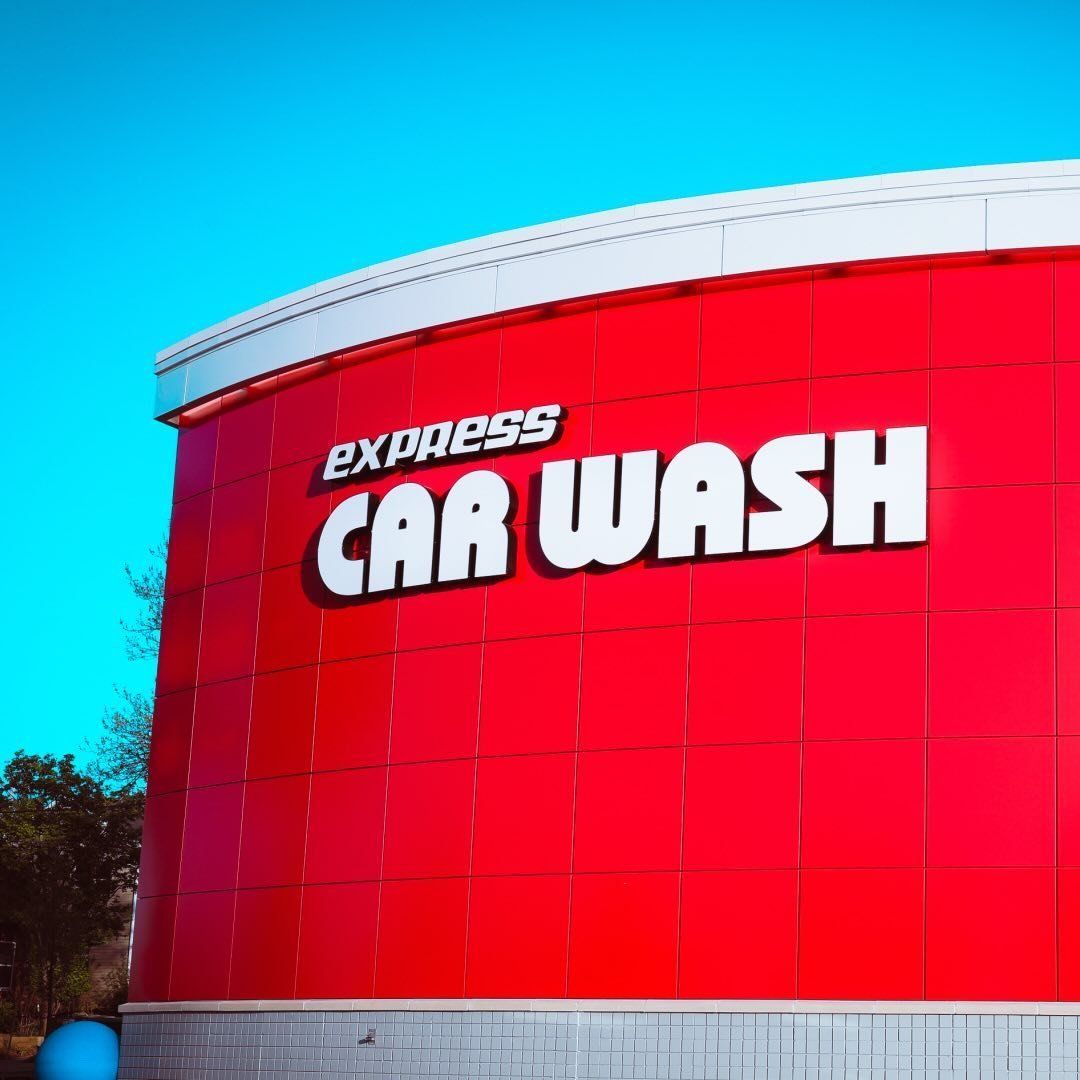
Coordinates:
402 536
898 484
703 492
802 511
600 510
474 541
341 575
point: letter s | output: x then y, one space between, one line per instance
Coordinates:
540 424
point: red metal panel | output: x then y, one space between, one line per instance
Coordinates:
421 949
852 305
991 802
1008 439
523 917
202 945
535 599
353 630
436 704
189 535
861 933
623 936
345 823
450 617
243 446
665 423
992 548
170 744
518 714
758 784
990 310
647 347
863 803
1067 309
730 700
744 777
305 415
737 934
196 449
237 525
633 689
376 393
297 504
629 805
849 659
990 934
744 417
178 660
548 358
230 616
772 587
282 723
524 815
641 594
151 954
265 941
734 351
337 941
212 838
1013 653
1068 928
439 390
163 834
352 717
893 399
1068 804
219 738
272 838
429 816
290 623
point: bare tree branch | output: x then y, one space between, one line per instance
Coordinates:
122 752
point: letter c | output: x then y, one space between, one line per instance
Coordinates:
342 576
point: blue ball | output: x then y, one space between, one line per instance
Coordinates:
83 1050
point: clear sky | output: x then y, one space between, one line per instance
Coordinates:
165 166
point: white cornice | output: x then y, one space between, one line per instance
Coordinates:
985 208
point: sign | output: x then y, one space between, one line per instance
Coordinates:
855 489
473 435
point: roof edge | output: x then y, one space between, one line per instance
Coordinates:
971 209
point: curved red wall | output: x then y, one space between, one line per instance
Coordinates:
816 774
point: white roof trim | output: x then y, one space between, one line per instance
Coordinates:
985 208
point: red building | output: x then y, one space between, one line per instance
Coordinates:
842 778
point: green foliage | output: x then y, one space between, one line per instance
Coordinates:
72 980
122 752
67 848
9 1017
113 992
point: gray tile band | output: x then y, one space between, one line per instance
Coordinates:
606 1045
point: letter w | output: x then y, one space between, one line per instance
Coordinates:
597 512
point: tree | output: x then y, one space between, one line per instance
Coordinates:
68 847
142 635
122 752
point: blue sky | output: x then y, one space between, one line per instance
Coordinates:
165 166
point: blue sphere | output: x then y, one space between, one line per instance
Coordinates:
83 1050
